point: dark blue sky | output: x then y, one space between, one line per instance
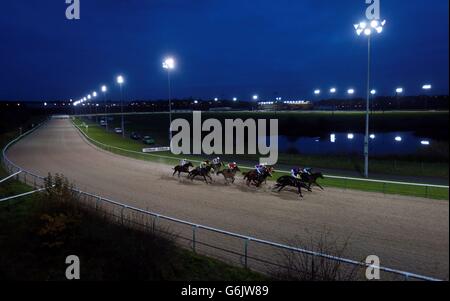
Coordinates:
223 48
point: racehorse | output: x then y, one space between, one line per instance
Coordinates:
312 179
203 172
229 174
291 181
257 179
182 169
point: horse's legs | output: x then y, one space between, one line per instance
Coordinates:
319 185
204 177
281 187
300 191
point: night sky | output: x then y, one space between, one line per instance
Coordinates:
223 48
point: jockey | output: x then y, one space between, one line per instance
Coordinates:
216 161
307 170
296 172
232 166
183 162
205 164
261 168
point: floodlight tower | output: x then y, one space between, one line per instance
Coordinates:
120 80
104 90
169 65
368 28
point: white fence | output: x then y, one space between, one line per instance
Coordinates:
251 252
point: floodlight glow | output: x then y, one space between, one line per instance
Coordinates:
169 63
383 23
45 104
425 142
255 97
196 101
94 94
363 25
368 31
120 79
350 136
216 99
317 92
398 139
351 91
379 29
333 138
399 90
359 31
333 90
104 89
89 96
373 92
427 87
372 136
374 24
235 99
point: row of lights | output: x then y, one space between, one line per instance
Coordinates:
351 91
120 80
351 136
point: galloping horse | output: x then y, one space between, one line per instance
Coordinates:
312 179
257 179
229 174
291 181
182 169
203 172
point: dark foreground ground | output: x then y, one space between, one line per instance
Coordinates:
40 231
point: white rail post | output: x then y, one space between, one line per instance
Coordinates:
246 253
194 231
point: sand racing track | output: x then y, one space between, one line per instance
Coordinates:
407 233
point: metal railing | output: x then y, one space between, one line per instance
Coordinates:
250 252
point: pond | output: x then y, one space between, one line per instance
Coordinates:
394 143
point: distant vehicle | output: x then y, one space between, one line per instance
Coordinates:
148 140
103 122
118 130
135 136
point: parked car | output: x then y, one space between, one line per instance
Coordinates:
135 136
148 140
118 130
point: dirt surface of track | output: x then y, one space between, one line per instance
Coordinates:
407 233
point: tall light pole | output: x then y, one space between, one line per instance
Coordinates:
333 93
94 95
368 28
120 81
255 98
426 88
104 90
169 64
